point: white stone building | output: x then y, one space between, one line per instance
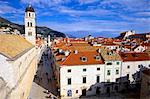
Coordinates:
139 49
111 46
18 66
91 73
127 34
133 63
79 72
86 73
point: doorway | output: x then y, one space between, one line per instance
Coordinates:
84 92
98 90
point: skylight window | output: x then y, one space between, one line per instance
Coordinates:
97 57
83 59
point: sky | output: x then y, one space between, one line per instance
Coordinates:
83 17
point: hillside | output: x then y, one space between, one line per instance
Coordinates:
40 30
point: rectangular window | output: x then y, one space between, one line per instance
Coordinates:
76 91
97 79
139 66
117 71
108 72
98 69
69 70
117 63
108 80
84 79
84 69
109 63
69 81
28 24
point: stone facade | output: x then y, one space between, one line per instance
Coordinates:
30 31
17 75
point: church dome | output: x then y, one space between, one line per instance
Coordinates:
29 9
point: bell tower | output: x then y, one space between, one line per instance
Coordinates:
30 29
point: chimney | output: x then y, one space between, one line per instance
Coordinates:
99 50
67 53
63 59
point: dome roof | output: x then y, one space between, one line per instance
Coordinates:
29 9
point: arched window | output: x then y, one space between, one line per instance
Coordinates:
28 24
29 14
31 24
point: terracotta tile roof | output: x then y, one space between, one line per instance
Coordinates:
110 44
127 46
110 55
132 56
12 45
145 44
147 51
77 46
76 59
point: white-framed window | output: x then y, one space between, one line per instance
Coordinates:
69 70
117 63
117 71
28 24
84 69
98 79
29 14
98 69
31 24
108 72
83 59
69 81
109 63
84 79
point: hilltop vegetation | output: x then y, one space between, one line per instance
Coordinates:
40 30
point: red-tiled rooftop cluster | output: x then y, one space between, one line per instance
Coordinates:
134 56
83 58
86 53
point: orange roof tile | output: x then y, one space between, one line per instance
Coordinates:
132 56
77 46
75 59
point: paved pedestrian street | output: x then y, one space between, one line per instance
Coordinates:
43 80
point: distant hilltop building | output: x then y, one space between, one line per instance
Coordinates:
8 29
127 34
30 31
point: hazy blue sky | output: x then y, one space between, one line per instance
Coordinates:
82 17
